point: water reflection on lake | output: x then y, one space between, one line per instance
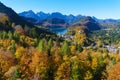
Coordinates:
59 31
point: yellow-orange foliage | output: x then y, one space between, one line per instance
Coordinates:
40 64
19 52
88 76
6 61
63 72
73 48
25 62
94 63
114 73
3 18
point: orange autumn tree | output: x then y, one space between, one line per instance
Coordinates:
7 60
25 61
40 65
114 73
63 72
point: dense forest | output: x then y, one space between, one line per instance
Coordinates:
107 36
25 57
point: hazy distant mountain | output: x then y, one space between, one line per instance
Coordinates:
57 15
49 23
106 20
29 14
105 23
67 18
54 23
41 16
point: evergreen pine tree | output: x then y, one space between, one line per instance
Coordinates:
9 35
41 45
50 44
79 48
65 48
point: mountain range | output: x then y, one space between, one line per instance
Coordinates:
53 20
40 18
68 18
58 20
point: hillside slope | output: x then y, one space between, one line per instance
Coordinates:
89 23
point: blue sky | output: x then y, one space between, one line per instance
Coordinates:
98 8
